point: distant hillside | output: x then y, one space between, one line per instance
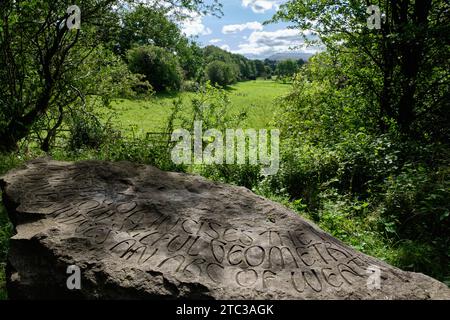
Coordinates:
290 55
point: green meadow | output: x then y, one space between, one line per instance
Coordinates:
257 97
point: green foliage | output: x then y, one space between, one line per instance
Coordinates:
248 176
190 86
7 162
355 170
260 69
43 68
241 67
43 75
402 68
145 25
221 73
325 105
191 59
5 234
109 78
421 257
160 67
210 105
416 205
286 68
140 150
86 130
350 220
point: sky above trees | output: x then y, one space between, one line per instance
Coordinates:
241 30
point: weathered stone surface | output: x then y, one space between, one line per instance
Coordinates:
137 232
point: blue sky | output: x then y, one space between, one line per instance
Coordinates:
240 29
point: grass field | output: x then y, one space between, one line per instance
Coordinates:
257 97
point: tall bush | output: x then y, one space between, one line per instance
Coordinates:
160 67
221 73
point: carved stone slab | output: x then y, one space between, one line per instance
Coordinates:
138 232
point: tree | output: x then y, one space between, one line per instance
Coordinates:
403 65
40 55
221 73
191 59
213 53
286 68
37 65
374 106
260 69
269 72
146 26
160 67
143 25
245 68
272 64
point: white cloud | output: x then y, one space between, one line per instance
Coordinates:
278 37
261 6
190 22
225 47
194 26
235 28
265 43
215 41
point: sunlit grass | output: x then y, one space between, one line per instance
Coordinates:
257 97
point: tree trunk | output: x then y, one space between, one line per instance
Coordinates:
7 142
412 53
